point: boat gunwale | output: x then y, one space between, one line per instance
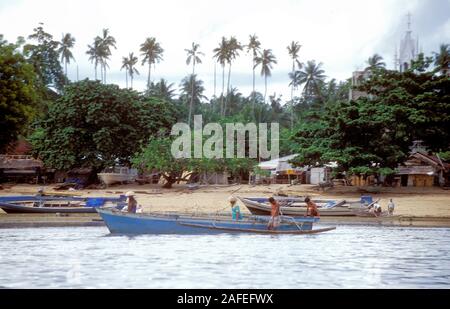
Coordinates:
274 232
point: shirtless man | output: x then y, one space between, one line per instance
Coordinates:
311 208
275 219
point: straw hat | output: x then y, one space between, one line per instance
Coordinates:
129 193
232 199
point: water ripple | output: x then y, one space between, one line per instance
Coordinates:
349 257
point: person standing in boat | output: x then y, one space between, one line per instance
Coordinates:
275 219
235 210
131 202
311 208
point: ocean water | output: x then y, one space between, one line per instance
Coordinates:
348 257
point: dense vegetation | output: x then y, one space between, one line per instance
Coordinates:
95 124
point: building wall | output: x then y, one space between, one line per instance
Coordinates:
420 181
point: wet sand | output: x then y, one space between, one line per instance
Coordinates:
421 207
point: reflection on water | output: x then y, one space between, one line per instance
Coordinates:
349 257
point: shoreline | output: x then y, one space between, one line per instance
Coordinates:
93 220
414 207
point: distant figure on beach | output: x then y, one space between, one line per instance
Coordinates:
275 219
235 210
377 209
391 207
131 202
311 208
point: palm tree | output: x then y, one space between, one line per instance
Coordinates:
312 76
266 59
106 42
125 65
442 59
253 46
67 42
293 51
193 55
152 53
94 53
129 65
233 52
187 84
221 56
162 89
375 62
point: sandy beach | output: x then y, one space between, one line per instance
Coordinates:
428 207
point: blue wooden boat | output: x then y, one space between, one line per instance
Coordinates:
160 223
57 204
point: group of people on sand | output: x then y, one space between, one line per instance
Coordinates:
275 211
377 211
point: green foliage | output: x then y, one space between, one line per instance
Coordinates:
98 125
18 97
44 56
157 156
373 134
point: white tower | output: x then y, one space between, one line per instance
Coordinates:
408 48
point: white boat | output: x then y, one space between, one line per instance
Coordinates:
261 207
118 174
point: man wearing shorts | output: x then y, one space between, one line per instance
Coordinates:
275 219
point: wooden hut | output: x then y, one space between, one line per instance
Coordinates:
423 170
20 168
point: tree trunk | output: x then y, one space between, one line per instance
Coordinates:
292 95
192 93
265 87
149 74
169 182
228 90
215 63
253 93
223 89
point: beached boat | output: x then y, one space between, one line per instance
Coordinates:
57 204
260 206
118 174
159 223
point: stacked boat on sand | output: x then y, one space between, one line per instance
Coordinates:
57 204
296 206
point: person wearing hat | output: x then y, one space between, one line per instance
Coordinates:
131 201
235 210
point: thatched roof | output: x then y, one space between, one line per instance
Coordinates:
19 162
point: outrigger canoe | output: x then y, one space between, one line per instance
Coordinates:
119 222
57 204
260 206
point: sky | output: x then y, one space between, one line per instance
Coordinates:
340 34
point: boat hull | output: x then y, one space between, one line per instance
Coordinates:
17 204
257 208
21 209
110 179
127 223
